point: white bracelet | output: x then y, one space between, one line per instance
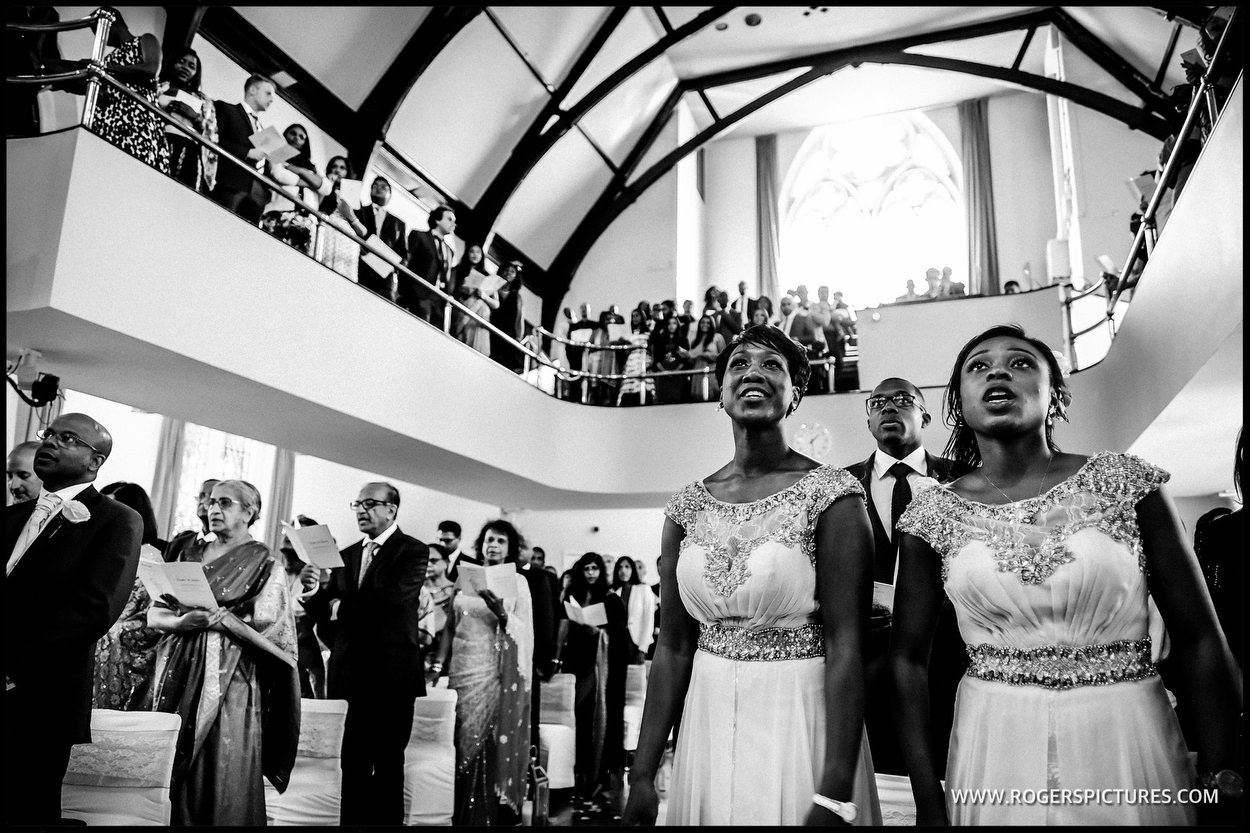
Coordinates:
844 810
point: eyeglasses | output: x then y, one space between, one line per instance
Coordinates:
66 440
222 503
368 504
902 401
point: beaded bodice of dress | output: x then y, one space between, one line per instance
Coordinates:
1064 568
754 563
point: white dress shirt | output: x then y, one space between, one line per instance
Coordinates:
35 525
882 482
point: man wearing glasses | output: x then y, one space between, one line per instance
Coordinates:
896 416
369 613
72 560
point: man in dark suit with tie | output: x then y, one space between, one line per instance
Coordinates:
896 416
430 256
73 554
389 229
744 305
235 189
368 613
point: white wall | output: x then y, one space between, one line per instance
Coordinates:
565 536
1024 198
1020 161
691 218
1107 153
732 253
323 489
636 258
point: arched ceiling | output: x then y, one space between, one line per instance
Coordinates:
540 123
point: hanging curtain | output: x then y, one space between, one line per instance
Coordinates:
278 508
767 226
978 198
168 472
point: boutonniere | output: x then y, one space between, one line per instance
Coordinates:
75 512
923 483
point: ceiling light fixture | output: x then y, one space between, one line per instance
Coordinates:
720 27
752 19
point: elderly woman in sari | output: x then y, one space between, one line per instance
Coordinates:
230 672
491 640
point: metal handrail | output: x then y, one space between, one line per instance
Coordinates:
61 25
96 73
1147 230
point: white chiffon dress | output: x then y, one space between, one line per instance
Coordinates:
1062 693
751 745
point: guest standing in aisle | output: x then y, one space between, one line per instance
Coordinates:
369 614
73 554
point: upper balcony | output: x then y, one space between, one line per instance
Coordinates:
119 276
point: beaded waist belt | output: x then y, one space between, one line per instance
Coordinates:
766 644
1063 666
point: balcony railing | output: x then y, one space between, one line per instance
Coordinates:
1203 103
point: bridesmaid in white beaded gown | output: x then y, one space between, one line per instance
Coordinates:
771 559
1048 558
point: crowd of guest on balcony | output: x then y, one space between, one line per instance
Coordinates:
826 327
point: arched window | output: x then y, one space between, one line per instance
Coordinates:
869 204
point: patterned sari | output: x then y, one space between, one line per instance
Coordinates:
490 671
237 692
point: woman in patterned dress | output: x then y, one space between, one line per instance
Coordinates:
230 673
134 61
1048 558
190 163
771 557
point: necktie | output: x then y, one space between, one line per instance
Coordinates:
365 560
900 498
46 505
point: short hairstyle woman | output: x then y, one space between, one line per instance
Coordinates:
247 494
514 539
763 335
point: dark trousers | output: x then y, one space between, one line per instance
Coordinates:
34 769
374 738
887 755
248 204
948 661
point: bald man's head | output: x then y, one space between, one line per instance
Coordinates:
74 448
22 481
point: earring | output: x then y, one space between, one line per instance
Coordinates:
720 406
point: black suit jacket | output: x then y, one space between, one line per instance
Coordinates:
374 641
393 232
939 468
233 129
64 594
429 259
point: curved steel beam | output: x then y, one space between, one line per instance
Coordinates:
536 142
1135 117
1015 22
1111 62
374 117
617 197
614 201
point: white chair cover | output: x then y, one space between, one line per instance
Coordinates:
635 698
430 760
315 791
123 775
557 729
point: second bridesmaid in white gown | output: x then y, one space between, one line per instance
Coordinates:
763 658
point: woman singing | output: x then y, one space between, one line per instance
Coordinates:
771 559
1048 558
